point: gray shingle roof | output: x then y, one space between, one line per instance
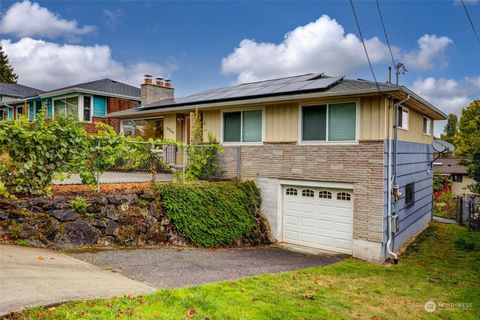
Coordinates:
105 85
18 90
449 165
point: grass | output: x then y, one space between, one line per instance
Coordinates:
442 265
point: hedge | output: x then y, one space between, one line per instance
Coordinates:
211 214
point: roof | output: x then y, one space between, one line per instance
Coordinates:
312 84
17 90
103 86
449 165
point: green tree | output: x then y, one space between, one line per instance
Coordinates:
450 129
6 71
467 142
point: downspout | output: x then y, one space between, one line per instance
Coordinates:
392 177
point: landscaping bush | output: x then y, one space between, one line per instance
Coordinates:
214 213
445 206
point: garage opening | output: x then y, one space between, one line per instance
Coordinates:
318 217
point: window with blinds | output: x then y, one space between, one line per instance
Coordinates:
332 122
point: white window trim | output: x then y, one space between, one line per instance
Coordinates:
429 126
4 112
16 111
80 107
408 118
327 142
239 143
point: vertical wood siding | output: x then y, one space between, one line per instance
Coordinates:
170 126
372 118
211 124
281 123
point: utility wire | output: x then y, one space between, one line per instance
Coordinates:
385 33
364 46
471 22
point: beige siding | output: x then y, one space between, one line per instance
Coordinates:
459 188
170 126
415 129
211 124
281 123
372 119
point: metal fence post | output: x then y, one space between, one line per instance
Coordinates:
98 160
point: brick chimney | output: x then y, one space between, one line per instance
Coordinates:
154 92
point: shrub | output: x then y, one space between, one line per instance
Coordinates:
211 214
445 206
79 205
34 152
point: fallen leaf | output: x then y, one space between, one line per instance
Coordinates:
308 296
191 312
40 258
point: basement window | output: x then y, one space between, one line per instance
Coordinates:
409 195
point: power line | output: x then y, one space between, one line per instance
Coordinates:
471 22
364 46
385 33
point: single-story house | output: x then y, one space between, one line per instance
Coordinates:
343 165
456 174
90 102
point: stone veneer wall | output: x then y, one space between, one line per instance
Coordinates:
361 165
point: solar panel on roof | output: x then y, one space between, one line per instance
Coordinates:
320 83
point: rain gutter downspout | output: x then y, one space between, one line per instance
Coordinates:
392 177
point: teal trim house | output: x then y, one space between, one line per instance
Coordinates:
90 102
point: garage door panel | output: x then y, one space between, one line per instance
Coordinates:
319 222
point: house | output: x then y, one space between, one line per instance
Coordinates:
334 170
456 174
90 102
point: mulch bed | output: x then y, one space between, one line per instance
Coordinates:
82 189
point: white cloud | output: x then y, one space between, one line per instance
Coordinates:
28 19
113 17
320 46
430 55
449 95
48 65
324 46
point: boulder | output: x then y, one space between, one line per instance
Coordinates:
64 214
117 199
77 233
3 215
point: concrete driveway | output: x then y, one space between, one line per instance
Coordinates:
31 277
172 268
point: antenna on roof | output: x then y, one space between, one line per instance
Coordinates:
400 69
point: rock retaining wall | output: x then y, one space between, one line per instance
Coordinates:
124 219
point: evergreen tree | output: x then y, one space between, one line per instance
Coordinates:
450 129
6 71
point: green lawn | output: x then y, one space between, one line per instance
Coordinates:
443 265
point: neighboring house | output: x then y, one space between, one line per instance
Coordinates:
10 92
89 102
456 175
322 150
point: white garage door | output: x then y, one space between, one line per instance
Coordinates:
318 217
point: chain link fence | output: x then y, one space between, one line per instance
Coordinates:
147 162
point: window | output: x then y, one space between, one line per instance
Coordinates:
242 126
344 196
409 195
457 177
66 107
325 195
144 128
87 108
308 193
20 111
332 122
402 117
3 114
427 124
291 192
38 107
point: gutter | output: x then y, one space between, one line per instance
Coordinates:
392 180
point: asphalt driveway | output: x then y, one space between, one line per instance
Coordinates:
172 268
32 277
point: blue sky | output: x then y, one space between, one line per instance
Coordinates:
199 44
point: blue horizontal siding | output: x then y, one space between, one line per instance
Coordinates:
413 165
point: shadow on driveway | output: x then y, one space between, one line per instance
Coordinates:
172 267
